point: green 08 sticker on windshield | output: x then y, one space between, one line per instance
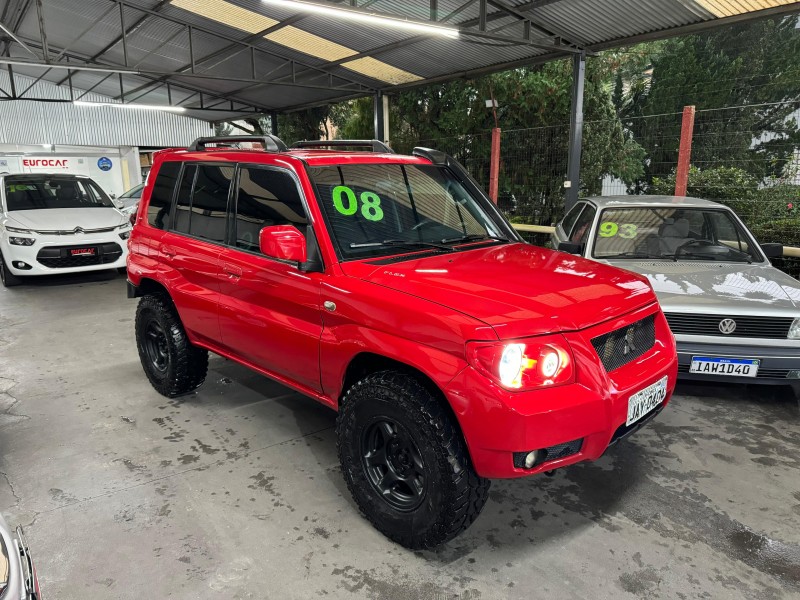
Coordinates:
626 231
345 202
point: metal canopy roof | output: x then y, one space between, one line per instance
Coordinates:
227 58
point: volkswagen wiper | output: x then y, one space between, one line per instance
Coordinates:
406 243
474 237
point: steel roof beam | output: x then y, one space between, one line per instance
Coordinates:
125 33
232 40
108 68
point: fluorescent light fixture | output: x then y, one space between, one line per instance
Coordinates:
365 17
135 106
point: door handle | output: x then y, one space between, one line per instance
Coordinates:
168 251
233 271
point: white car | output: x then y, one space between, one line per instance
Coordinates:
128 202
18 579
735 317
58 223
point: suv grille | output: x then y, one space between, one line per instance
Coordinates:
746 327
621 346
60 257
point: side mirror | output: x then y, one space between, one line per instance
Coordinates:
284 242
772 250
570 247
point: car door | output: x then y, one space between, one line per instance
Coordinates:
269 309
190 250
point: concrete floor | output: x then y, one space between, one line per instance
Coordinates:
235 491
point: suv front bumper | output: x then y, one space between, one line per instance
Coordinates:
575 422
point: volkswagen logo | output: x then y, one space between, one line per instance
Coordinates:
727 326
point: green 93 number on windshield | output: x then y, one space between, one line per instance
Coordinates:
346 203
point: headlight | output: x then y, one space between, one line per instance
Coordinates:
794 330
17 230
20 241
528 364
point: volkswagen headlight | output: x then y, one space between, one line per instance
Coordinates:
794 330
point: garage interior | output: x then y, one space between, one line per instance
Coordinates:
235 490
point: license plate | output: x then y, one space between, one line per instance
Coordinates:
82 251
643 401
733 367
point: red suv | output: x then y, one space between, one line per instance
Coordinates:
391 289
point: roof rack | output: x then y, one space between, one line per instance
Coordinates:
270 143
374 145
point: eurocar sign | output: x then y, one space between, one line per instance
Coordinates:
46 162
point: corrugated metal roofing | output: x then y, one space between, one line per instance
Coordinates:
62 123
302 59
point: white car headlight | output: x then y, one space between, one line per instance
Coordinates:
17 230
794 330
21 241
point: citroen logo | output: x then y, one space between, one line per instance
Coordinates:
727 326
78 230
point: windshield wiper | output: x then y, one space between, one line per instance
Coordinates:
406 243
474 237
638 255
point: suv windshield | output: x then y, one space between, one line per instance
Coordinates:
378 209
34 192
674 233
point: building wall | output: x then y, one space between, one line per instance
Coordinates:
62 123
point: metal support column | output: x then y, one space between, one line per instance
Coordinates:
273 123
573 182
377 103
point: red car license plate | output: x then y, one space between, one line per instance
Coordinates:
82 251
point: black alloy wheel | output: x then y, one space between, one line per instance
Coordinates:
393 464
155 345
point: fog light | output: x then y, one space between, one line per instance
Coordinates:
793 375
125 235
18 264
530 459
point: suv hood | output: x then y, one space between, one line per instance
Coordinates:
687 286
518 289
66 219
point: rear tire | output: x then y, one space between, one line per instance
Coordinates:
405 462
171 362
6 276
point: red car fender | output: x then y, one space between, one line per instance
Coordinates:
340 346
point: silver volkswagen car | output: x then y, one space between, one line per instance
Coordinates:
735 317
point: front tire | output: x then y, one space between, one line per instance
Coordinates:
405 463
6 276
171 362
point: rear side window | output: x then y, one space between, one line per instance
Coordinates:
580 233
266 197
571 217
161 199
203 200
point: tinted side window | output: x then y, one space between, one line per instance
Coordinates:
202 201
210 202
161 199
571 216
183 205
266 197
580 233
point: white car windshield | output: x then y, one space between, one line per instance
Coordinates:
675 233
36 192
